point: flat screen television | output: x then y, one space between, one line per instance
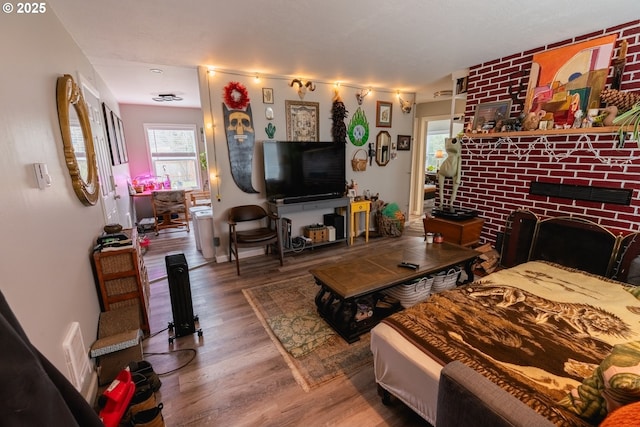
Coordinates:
303 171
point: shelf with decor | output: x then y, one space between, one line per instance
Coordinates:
121 278
550 132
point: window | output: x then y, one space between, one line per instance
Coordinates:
173 150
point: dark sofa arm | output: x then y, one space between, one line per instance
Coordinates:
466 398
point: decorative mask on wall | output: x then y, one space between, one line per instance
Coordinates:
238 123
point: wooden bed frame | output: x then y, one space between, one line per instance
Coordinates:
569 241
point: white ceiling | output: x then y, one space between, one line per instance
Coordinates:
408 45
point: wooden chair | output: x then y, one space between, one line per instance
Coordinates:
170 209
266 234
200 198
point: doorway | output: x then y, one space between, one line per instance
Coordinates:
428 155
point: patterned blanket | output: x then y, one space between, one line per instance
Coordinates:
537 330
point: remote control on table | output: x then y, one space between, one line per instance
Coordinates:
410 265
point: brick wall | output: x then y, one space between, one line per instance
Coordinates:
496 172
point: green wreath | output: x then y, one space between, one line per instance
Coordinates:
358 128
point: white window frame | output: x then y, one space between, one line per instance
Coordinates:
196 155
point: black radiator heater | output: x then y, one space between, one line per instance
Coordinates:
184 321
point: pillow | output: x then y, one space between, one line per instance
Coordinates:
627 416
633 277
615 383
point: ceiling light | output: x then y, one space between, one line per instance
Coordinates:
156 70
166 97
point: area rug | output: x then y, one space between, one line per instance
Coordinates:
314 352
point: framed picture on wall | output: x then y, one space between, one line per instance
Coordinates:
404 142
122 144
383 114
488 114
267 95
111 136
303 122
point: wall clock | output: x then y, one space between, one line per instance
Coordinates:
358 130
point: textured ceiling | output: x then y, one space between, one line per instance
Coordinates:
409 45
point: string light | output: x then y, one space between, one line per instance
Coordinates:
484 149
366 90
213 140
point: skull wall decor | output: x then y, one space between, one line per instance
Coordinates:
240 142
239 125
302 87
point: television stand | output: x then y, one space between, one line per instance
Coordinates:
304 199
340 205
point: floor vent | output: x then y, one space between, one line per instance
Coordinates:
76 356
617 196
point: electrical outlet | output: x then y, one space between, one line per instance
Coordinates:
216 241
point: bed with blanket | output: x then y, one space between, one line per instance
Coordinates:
543 330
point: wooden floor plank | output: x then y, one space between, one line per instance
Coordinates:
238 377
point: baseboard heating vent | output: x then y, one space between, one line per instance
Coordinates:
616 196
76 356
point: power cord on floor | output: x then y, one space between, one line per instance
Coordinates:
188 350
155 333
191 350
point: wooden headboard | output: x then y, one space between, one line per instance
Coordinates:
573 242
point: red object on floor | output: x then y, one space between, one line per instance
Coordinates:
117 397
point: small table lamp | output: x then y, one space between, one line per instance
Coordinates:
439 156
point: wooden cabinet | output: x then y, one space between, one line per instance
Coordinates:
465 233
122 278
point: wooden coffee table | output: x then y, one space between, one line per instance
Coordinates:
349 299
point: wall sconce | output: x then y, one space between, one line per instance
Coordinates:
360 95
302 87
405 106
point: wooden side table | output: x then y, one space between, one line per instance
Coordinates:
356 209
464 233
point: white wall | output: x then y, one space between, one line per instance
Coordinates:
47 235
391 181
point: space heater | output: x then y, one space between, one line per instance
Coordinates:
184 321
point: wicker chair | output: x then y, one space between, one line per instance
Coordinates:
267 234
170 209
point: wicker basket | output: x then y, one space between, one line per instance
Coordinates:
411 293
389 226
359 165
446 280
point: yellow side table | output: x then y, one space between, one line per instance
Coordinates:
357 208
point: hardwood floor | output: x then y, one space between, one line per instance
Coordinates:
238 377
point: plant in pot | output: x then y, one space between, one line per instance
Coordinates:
629 120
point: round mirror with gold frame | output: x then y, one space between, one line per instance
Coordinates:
79 152
383 148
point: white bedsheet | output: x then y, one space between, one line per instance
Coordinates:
405 371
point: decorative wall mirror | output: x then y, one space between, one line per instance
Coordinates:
383 148
79 153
